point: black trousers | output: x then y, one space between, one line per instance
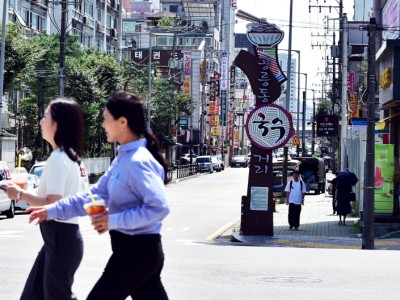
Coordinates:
52 274
294 215
133 269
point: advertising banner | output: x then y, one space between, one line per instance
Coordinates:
186 86
391 19
384 174
354 107
187 63
224 71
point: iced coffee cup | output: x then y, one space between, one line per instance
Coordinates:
95 208
20 177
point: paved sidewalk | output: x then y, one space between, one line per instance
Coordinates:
318 229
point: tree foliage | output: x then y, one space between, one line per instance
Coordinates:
90 77
323 107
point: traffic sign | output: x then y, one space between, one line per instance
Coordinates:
295 140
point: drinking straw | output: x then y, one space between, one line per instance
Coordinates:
90 193
19 163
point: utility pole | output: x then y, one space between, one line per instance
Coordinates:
148 115
368 204
313 128
63 44
343 126
2 59
287 103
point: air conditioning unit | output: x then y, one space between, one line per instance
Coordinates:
98 25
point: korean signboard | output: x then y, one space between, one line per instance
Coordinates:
327 125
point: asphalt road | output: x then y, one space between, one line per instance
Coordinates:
197 268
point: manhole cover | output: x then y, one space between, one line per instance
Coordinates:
277 279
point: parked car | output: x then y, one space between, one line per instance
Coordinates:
38 167
205 163
7 206
239 161
317 166
217 163
31 187
185 158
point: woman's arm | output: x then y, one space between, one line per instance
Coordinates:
15 192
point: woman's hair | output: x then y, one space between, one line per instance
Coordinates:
69 134
127 105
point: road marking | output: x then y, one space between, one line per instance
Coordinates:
212 191
189 242
221 230
177 229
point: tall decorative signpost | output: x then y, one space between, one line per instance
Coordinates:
268 126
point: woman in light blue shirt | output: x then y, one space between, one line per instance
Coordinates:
134 192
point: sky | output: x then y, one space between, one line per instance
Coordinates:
307 29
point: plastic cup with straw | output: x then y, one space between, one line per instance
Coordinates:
19 175
94 207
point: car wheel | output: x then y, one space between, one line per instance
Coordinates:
11 212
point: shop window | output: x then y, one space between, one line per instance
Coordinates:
173 8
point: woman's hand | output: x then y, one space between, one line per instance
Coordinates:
100 223
11 189
38 214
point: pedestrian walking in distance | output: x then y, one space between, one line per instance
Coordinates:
295 192
134 193
52 274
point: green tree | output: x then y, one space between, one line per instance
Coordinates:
20 56
323 107
166 21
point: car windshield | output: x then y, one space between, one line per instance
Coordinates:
203 159
38 171
238 158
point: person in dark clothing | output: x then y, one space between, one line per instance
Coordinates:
333 191
345 182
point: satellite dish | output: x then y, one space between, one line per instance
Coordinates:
26 154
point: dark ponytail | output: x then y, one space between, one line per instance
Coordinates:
125 104
154 147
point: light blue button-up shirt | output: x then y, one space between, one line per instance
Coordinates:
133 189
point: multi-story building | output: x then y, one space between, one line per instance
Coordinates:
293 108
94 21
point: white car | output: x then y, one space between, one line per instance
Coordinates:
38 167
31 187
7 206
186 158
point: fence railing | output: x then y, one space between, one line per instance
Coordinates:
96 165
182 171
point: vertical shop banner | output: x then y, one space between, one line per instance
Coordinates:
186 86
384 174
223 108
354 107
236 137
224 71
187 63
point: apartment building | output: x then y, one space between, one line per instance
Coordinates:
95 22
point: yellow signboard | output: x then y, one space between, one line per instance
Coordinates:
186 85
215 130
295 140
